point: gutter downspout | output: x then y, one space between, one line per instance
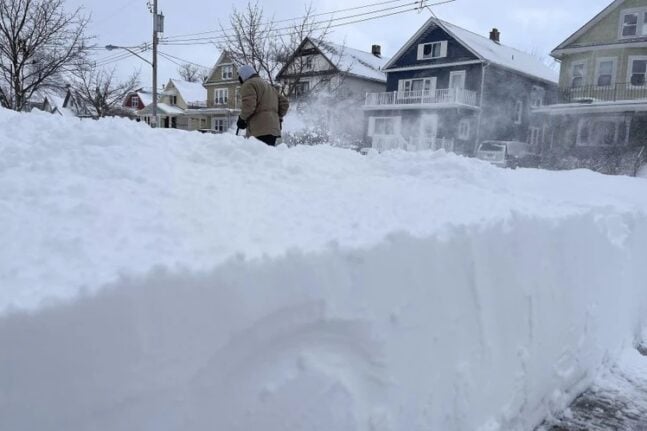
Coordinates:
484 65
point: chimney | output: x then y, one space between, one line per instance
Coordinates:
377 51
495 35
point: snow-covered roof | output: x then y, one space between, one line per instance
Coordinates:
145 97
491 51
190 91
162 108
353 61
502 55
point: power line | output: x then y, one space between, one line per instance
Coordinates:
317 26
181 36
183 60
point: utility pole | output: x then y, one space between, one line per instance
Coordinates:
158 27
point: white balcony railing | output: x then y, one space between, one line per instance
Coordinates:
414 143
448 96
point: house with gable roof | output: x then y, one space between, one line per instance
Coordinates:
180 106
599 118
223 94
338 77
450 88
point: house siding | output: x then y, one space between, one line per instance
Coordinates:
472 76
607 30
455 51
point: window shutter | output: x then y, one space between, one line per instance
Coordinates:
443 49
371 126
421 51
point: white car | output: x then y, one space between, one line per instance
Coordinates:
507 154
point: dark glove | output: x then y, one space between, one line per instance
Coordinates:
241 124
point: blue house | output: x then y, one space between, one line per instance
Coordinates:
450 88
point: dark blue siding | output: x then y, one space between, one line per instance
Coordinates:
455 51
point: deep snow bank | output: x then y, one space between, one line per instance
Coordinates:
309 288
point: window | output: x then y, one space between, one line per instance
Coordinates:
633 23
219 125
428 51
309 64
172 100
134 101
637 71
537 96
606 72
416 87
629 24
221 96
228 72
535 133
602 132
577 75
464 129
517 114
384 126
301 88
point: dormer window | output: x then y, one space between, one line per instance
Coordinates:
633 23
429 51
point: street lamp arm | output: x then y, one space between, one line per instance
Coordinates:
113 47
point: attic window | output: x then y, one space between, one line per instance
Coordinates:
227 72
633 23
428 51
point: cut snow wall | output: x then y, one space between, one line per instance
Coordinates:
486 328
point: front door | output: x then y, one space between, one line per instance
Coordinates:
428 131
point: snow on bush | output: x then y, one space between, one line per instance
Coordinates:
163 280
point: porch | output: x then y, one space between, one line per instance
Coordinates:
445 98
413 143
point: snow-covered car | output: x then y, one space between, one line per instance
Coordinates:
508 154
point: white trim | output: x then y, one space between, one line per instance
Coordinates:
518 112
421 50
535 135
397 120
464 129
592 108
596 48
586 27
224 67
630 66
584 73
433 66
640 22
218 95
614 71
431 21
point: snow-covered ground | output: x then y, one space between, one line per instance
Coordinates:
164 280
642 173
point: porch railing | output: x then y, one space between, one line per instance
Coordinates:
431 97
386 143
593 93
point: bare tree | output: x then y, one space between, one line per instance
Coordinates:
255 40
39 41
192 73
99 90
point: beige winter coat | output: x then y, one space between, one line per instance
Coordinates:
262 107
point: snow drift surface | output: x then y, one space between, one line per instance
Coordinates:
162 280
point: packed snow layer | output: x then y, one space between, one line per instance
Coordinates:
163 280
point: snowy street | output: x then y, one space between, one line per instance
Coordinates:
166 280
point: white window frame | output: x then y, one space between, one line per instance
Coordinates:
537 94
535 136
134 98
518 112
227 71
442 50
460 73
573 65
641 23
221 96
614 71
404 93
630 67
464 129
619 121
372 123
219 125
172 100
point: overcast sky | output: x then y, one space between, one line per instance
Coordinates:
535 26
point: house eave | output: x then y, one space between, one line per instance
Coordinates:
420 106
616 107
559 53
433 66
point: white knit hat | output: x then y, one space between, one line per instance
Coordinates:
246 71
